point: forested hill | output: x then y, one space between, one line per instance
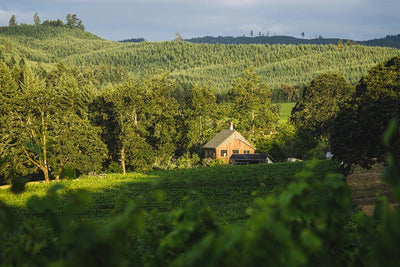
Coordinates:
388 41
213 65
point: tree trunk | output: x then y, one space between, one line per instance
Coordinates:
45 168
58 174
123 160
252 121
45 171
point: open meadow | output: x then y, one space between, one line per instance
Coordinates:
285 110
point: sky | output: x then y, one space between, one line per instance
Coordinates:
157 20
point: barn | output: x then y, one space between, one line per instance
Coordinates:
227 143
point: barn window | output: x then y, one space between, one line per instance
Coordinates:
246 152
235 151
224 153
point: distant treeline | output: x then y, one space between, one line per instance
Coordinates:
132 40
388 41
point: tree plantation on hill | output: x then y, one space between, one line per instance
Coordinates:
188 63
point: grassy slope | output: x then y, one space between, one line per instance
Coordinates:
229 190
285 110
47 44
211 65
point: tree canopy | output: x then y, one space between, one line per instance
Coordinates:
356 136
318 107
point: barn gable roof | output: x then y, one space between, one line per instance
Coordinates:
225 136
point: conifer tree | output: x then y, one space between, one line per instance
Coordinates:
13 21
36 20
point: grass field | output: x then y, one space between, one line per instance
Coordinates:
366 185
228 190
285 110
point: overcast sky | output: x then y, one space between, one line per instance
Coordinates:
157 20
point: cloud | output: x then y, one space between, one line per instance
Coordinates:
5 16
22 16
160 19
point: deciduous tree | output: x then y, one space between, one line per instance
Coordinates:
200 117
251 103
318 107
47 127
357 131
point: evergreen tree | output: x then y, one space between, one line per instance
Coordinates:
13 21
36 20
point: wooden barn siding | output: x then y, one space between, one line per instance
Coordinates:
235 144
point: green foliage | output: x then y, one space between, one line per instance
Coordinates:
290 93
220 185
36 20
45 124
310 223
318 107
203 64
200 117
251 105
285 110
359 126
389 40
188 161
13 21
288 142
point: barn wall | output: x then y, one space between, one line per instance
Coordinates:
235 144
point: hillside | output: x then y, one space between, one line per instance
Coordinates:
214 65
47 44
388 41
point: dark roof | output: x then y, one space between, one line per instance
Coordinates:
250 157
225 136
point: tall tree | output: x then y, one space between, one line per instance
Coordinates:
36 20
12 21
47 127
200 117
131 109
289 92
162 115
317 108
252 109
357 131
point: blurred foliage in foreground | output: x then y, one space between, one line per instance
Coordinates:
310 223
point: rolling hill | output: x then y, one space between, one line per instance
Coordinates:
214 65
